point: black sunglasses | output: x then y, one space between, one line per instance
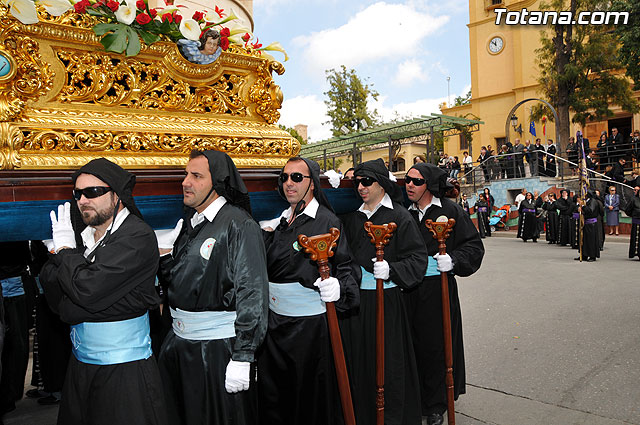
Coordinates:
416 181
295 177
366 181
90 192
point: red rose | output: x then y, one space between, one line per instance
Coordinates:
246 37
224 43
140 5
113 5
177 18
167 17
224 32
143 19
153 13
81 6
197 16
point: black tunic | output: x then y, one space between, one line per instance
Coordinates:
527 221
590 239
407 258
632 209
297 381
424 307
564 231
117 285
483 219
552 234
232 278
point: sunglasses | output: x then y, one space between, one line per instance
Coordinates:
90 192
416 181
295 177
365 181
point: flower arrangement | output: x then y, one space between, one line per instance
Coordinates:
128 21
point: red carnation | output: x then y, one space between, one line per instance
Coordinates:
153 13
177 18
143 19
246 37
197 16
224 43
113 5
140 5
167 17
224 32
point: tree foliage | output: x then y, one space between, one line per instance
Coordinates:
294 133
577 64
347 101
629 35
459 100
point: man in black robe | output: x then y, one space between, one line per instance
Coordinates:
297 382
565 208
482 215
537 156
426 186
217 296
104 289
404 265
527 221
590 240
632 209
550 206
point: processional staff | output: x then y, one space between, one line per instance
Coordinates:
320 247
380 235
440 231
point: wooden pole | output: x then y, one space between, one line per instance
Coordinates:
320 247
380 235
440 230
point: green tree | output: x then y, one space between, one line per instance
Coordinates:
629 53
347 102
293 133
576 64
459 101
329 164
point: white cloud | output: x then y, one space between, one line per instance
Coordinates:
409 71
380 31
308 110
406 109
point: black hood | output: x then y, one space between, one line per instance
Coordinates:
436 178
314 172
380 173
226 179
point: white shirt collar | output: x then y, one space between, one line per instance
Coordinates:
421 212
385 202
210 212
88 233
311 210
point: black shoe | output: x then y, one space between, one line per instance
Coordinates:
535 241
34 393
435 419
48 400
577 258
591 260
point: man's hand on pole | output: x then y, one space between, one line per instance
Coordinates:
63 236
166 238
329 289
237 376
380 269
445 263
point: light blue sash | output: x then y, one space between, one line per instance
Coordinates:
12 287
107 343
294 300
369 282
432 267
203 325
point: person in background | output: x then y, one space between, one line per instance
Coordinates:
565 207
612 207
520 197
348 175
632 209
552 218
550 164
455 168
482 216
527 222
467 164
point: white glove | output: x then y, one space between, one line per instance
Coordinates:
62 229
380 269
445 263
334 178
237 376
329 289
49 244
166 238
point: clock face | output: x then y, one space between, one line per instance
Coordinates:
5 65
496 44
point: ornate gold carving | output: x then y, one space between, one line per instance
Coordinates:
266 94
32 77
10 138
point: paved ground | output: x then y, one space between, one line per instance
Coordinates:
548 340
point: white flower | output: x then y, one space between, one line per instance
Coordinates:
126 13
56 7
23 10
190 29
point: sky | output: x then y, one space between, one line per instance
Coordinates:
405 50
